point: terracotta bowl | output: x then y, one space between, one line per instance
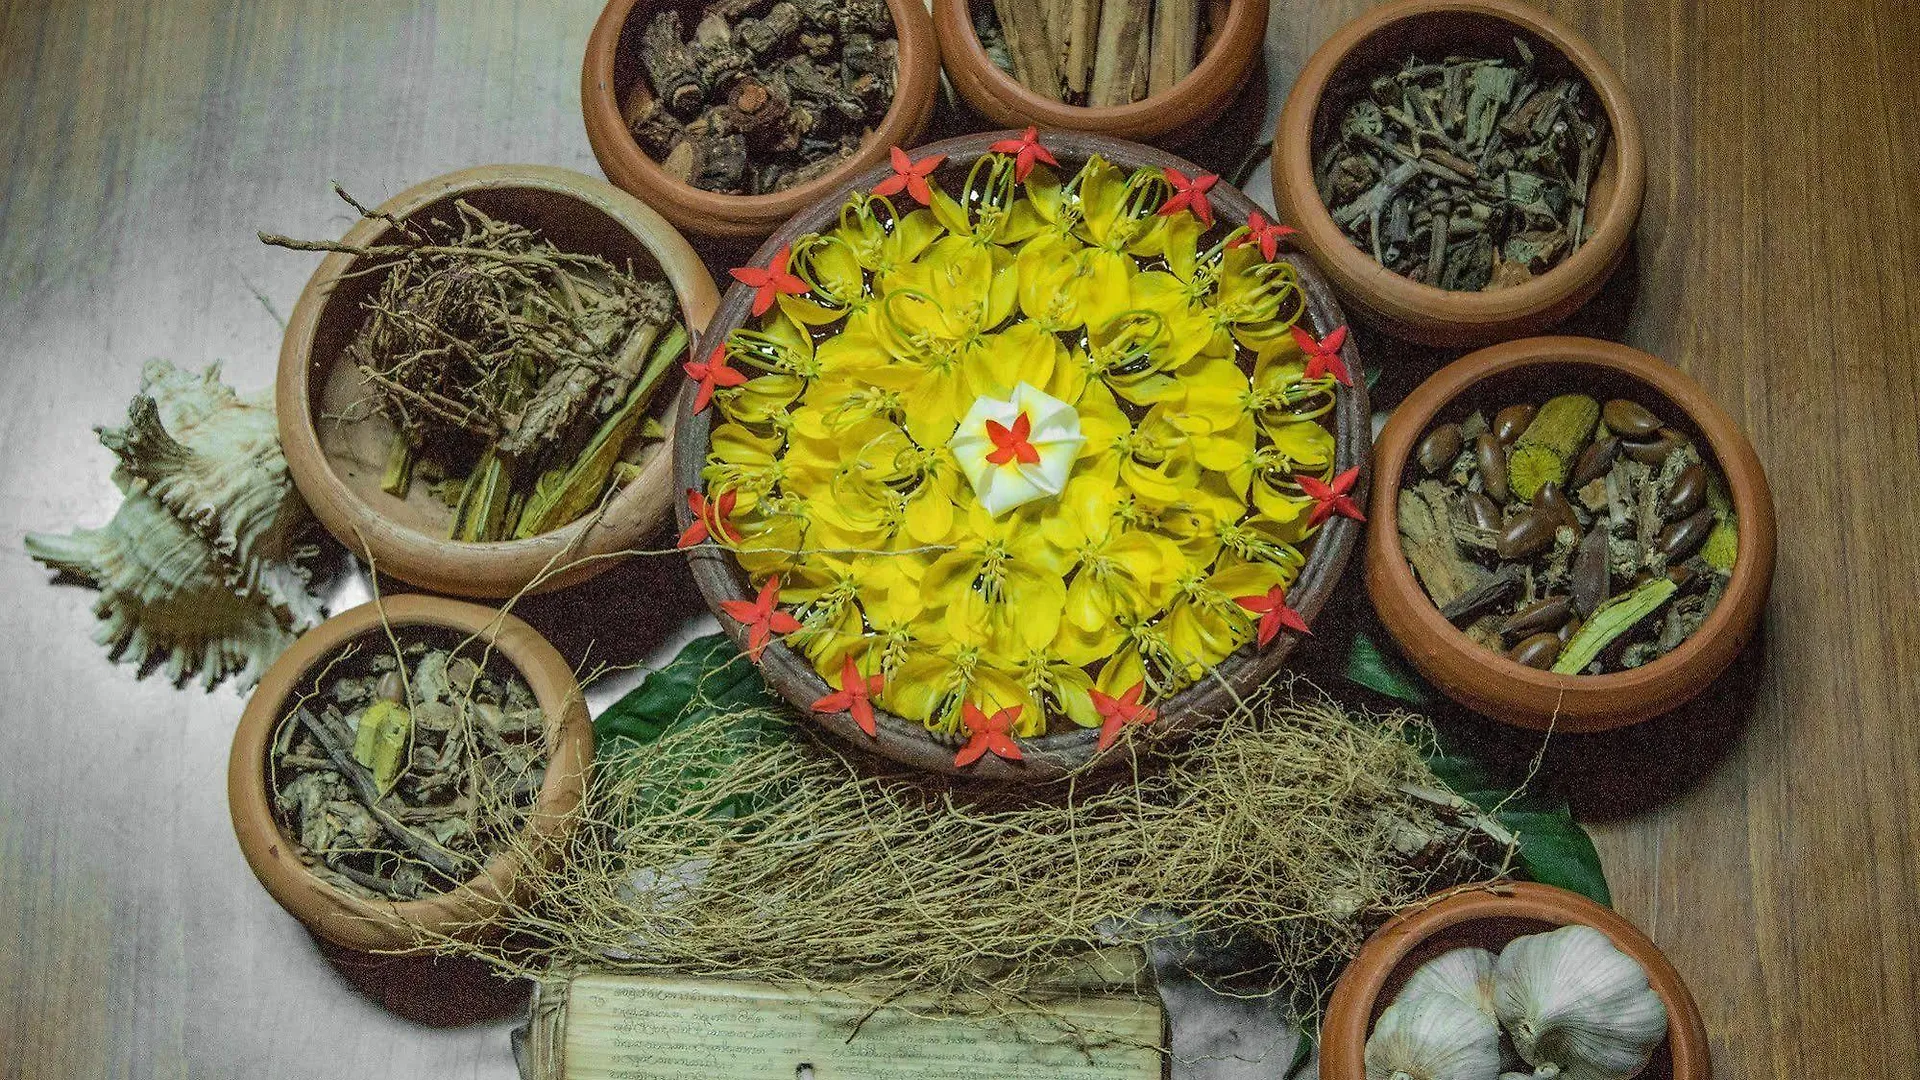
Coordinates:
1174 116
1489 682
396 926
720 578
611 74
1490 916
1386 36
337 464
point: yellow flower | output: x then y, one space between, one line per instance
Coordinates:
1121 573
1204 626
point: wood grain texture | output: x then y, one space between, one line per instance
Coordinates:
1767 838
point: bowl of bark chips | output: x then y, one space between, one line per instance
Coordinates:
396 767
1147 70
1568 533
730 116
1467 171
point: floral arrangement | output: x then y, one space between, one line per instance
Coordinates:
1027 456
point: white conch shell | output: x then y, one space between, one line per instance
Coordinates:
1571 1000
1464 973
1433 1037
201 562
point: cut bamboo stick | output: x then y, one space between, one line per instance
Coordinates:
1033 62
1121 52
1176 30
1083 31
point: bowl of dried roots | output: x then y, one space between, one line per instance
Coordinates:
399 766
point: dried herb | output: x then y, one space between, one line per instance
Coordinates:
512 371
1095 52
1468 173
761 94
1541 539
399 774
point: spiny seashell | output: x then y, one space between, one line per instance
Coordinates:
200 569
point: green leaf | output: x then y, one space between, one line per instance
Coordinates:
1554 849
709 676
1383 672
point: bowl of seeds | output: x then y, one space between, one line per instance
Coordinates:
473 386
731 116
1012 449
396 766
1466 170
1152 70
1568 533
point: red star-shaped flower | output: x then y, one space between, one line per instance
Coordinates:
1267 234
1274 614
1025 150
1118 712
761 616
1331 499
711 372
1323 356
910 176
988 733
854 696
770 280
1189 195
1010 443
709 518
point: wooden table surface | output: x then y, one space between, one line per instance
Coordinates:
1768 838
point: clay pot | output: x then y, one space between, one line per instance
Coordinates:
611 74
337 465
1534 369
387 926
1490 916
1385 37
1173 116
793 677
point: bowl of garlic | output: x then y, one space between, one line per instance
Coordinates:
1021 445
1507 981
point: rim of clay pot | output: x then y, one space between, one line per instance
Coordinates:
1178 112
389 925
710 213
1427 313
1489 681
496 568
1508 909
1046 757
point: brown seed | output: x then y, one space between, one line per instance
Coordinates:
1540 615
1679 574
1688 493
1491 458
391 688
1566 632
1525 535
1629 418
1509 422
1684 537
1439 448
1552 503
1482 512
1652 451
1594 462
1592 580
1538 651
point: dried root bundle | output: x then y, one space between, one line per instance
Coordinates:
1286 829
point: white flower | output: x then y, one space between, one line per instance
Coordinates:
1018 450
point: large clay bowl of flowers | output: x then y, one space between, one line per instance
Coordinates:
612 84
872 514
1489 916
1491 683
335 451
378 925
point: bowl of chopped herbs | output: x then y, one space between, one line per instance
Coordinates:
1466 171
398 766
1568 533
473 387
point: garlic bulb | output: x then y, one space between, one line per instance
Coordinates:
1576 1006
1465 973
1434 1036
